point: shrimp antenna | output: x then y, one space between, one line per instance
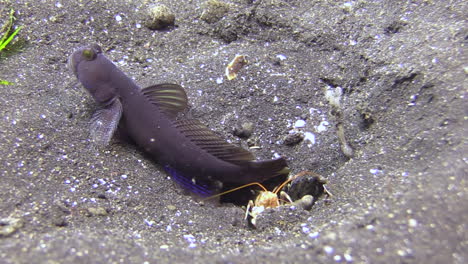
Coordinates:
300 174
275 191
235 189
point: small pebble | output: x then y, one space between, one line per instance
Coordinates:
213 11
293 139
306 202
149 223
159 17
8 226
97 211
281 57
329 250
348 257
309 136
164 247
322 126
412 222
314 235
299 124
245 130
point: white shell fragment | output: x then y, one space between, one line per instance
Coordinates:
299 123
309 136
235 65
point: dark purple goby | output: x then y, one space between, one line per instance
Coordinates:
196 157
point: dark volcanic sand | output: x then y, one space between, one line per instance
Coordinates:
402 68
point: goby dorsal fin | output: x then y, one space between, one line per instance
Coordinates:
210 142
170 98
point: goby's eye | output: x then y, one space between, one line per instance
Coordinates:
89 54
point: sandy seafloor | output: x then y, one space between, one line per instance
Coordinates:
401 67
